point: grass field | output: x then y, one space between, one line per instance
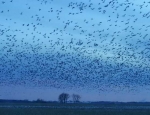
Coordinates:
70 109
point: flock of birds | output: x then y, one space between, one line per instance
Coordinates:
83 44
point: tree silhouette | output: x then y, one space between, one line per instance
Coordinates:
63 97
76 98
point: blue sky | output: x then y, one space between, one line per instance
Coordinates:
94 48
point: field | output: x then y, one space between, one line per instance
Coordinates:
74 109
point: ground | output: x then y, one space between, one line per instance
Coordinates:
73 109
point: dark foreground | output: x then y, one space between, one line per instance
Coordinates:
73 109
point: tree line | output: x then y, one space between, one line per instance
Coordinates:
63 98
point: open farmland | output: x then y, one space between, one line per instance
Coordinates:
74 109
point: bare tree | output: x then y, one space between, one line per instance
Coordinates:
63 97
76 98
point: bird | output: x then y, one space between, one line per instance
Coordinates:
100 45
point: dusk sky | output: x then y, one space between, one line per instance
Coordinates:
98 49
